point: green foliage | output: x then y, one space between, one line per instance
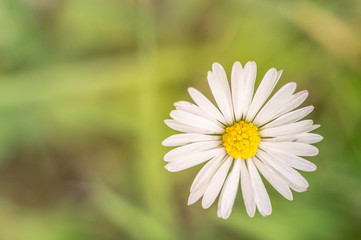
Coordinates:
86 84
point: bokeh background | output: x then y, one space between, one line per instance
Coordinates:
86 84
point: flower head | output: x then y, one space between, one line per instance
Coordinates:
244 136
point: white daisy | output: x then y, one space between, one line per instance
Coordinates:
245 136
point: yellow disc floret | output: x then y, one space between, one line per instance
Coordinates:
241 140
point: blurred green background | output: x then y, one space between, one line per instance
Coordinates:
86 84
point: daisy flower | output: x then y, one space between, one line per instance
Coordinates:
245 136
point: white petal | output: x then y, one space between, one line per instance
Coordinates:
290 117
260 193
237 86
247 190
206 105
295 187
295 101
186 128
249 75
315 126
219 85
288 129
263 92
203 178
274 179
206 173
229 192
196 195
308 138
189 149
274 104
186 138
287 172
298 149
216 184
191 108
193 160
295 161
196 121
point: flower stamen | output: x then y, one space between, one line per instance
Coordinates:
241 140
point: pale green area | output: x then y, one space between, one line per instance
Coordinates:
86 84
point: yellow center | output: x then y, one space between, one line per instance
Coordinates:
241 140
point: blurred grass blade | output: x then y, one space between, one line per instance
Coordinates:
135 222
327 29
155 189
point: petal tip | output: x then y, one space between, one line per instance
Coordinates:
170 168
216 65
251 64
267 213
290 197
251 213
205 204
191 90
293 84
304 92
176 103
237 64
